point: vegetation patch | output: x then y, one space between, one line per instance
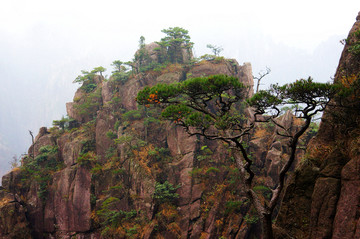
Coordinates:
41 169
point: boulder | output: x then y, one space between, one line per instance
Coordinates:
42 139
70 148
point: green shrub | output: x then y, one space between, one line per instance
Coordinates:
65 123
89 87
212 170
219 59
111 135
96 169
40 169
90 105
132 115
48 157
204 153
151 120
265 191
355 46
118 171
110 152
165 192
159 155
195 172
121 77
88 145
86 159
251 219
233 206
132 231
117 125
207 57
48 149
113 217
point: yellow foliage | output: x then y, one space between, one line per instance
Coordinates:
94 216
229 196
120 232
172 68
319 151
141 157
219 223
298 121
212 198
15 169
174 228
22 197
168 211
203 62
204 235
261 133
220 188
148 228
77 99
348 81
4 201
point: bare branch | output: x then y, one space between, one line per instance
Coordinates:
33 144
261 74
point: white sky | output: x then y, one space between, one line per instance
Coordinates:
302 23
44 44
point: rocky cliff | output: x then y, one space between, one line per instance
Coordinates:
115 170
322 200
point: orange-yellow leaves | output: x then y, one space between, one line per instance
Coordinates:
153 99
261 133
348 81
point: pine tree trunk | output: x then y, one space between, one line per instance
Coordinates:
267 227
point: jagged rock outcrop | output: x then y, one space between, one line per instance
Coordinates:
76 191
121 172
322 199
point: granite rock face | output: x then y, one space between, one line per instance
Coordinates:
68 207
330 173
85 167
13 220
123 173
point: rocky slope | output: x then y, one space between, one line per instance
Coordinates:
116 171
323 198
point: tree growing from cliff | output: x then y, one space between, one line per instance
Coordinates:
209 107
99 70
141 57
85 77
120 73
118 66
14 163
174 42
215 49
260 76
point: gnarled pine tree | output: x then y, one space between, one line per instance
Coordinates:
211 107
